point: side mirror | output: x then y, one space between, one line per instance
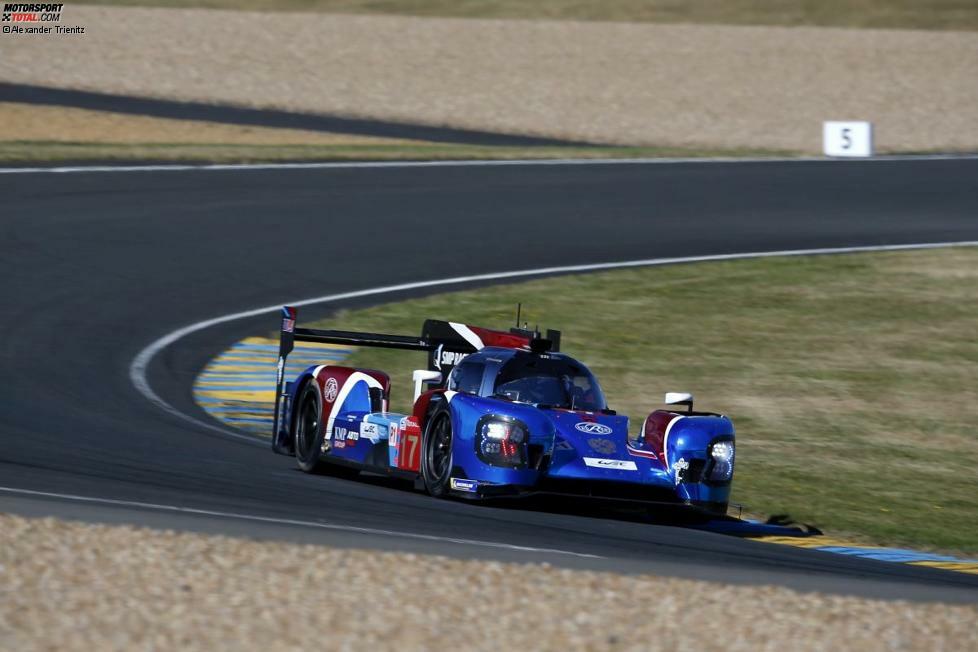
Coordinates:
680 398
424 376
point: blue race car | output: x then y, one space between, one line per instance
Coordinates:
496 414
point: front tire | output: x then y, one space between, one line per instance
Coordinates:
436 454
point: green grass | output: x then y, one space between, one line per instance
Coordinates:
906 14
27 152
852 380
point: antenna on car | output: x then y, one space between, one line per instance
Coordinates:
519 306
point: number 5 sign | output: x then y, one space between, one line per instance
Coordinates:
847 138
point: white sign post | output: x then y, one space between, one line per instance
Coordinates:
847 138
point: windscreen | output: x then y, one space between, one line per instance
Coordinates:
555 382
467 378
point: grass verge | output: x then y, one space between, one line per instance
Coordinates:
905 14
18 152
852 380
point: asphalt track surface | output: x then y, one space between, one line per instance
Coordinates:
95 266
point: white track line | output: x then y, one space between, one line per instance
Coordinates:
140 364
288 521
218 167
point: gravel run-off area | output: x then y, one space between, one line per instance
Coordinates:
71 586
633 84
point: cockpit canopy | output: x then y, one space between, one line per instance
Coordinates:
552 380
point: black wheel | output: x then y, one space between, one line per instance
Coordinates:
308 430
310 433
436 455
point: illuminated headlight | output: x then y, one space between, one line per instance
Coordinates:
722 456
503 430
501 441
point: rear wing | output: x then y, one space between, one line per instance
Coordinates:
446 343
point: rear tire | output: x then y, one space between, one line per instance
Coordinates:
436 454
308 432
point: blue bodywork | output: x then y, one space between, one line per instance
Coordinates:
567 449
601 462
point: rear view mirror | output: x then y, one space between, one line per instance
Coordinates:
424 376
680 398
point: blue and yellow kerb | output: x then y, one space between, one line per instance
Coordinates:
238 386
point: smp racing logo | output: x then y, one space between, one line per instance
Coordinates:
31 12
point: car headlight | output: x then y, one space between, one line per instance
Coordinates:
501 441
722 458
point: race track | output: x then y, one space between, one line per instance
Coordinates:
98 265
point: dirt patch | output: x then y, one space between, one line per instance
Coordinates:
636 84
23 122
68 586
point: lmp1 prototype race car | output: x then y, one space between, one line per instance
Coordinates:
495 414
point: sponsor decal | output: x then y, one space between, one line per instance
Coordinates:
392 432
460 484
340 435
288 325
451 358
370 431
605 463
603 446
330 390
563 445
447 358
680 467
593 428
280 370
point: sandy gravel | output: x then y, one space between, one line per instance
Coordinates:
696 85
67 586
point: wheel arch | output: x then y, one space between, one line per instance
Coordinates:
299 386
